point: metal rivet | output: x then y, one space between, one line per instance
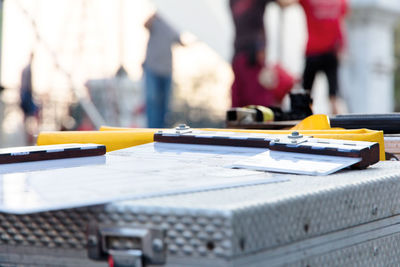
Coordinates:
374 210
376 251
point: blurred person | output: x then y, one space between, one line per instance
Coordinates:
158 69
27 103
249 53
325 44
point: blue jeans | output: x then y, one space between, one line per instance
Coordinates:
158 89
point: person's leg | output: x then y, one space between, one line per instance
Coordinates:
330 67
31 116
310 70
164 97
151 84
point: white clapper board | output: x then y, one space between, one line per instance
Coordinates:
153 169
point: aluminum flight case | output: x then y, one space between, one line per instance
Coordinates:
351 218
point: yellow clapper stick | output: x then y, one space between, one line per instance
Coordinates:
117 138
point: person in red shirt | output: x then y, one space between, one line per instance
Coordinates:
326 41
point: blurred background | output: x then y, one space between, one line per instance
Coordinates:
88 55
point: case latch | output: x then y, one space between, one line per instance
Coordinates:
126 246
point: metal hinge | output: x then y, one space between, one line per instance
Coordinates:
126 246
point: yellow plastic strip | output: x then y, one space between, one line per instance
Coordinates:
111 128
113 140
314 122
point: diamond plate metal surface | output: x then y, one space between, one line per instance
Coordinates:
380 252
268 216
230 223
59 229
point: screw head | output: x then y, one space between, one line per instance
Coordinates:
181 126
295 135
